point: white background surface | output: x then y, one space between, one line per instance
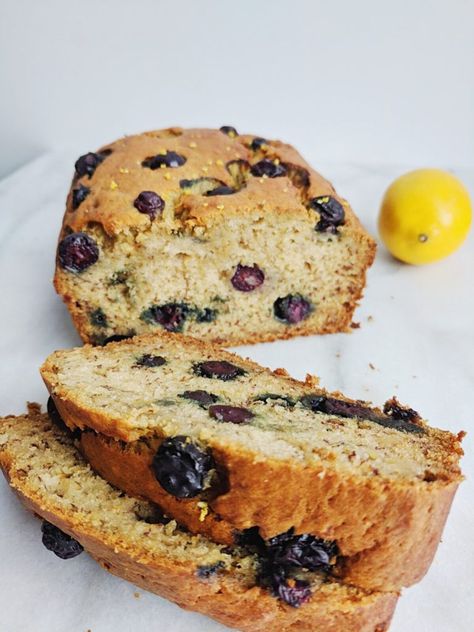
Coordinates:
366 80
357 87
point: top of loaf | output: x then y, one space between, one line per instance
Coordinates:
107 183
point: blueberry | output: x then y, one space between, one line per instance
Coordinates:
258 143
399 412
229 131
148 360
221 190
88 163
355 410
279 582
331 213
149 203
218 369
79 194
171 316
98 318
339 407
283 400
292 309
203 398
294 592
77 251
205 315
247 278
208 570
302 551
60 543
170 159
181 467
231 414
269 168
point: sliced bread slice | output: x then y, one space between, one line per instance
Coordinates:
132 540
215 439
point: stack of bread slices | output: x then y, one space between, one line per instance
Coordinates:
264 502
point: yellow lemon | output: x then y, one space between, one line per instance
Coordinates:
425 216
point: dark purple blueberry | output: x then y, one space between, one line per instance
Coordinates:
247 278
294 592
117 338
203 398
171 316
181 467
77 251
400 412
339 407
292 309
221 190
355 410
258 143
149 203
283 400
206 315
302 551
269 168
331 213
79 194
231 414
218 369
60 543
98 318
148 360
207 571
170 159
88 163
229 131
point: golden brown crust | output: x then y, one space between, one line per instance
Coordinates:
119 179
388 536
223 597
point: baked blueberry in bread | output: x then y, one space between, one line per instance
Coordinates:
243 587
229 449
226 237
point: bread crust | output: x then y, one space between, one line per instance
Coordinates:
118 179
222 597
387 530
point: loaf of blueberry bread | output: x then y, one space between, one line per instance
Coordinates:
224 237
243 587
236 452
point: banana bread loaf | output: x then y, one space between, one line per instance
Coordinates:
235 451
225 237
133 540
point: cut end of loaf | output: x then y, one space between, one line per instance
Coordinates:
261 262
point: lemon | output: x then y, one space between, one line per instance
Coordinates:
425 216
